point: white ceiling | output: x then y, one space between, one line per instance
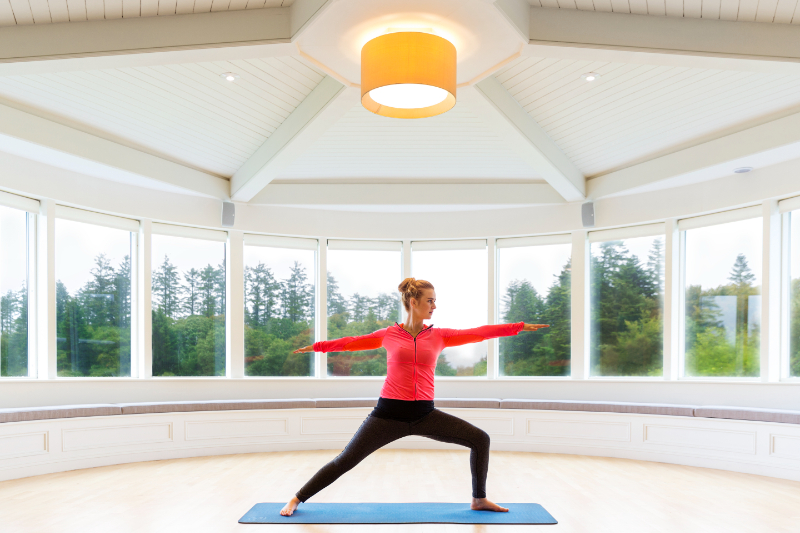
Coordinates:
780 11
455 145
21 12
636 112
186 113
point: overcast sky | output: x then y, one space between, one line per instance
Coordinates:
368 273
13 249
711 252
77 246
538 264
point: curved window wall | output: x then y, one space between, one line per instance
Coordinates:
709 272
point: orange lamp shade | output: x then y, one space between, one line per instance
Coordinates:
408 75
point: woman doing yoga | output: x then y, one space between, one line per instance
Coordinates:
405 406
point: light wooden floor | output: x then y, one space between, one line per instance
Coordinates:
585 494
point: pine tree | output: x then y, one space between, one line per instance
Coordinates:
166 286
191 302
741 275
336 302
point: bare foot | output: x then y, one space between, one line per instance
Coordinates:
290 507
482 504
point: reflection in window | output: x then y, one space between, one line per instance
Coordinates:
362 298
723 299
14 238
279 311
627 294
459 277
534 287
188 295
93 300
794 293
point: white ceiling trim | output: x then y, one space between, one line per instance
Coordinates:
676 36
45 141
770 143
492 102
326 104
386 194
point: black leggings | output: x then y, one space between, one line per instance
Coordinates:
375 433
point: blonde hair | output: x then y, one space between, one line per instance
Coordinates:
412 288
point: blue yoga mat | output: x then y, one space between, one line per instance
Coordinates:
396 513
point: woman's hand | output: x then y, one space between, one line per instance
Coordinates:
305 349
534 327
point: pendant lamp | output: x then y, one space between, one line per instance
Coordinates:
408 75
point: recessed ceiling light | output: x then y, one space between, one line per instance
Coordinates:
229 76
742 170
590 76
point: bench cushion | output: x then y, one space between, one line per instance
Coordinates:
600 407
477 403
218 405
346 402
26 414
749 413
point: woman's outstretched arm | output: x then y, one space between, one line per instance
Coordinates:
372 341
458 337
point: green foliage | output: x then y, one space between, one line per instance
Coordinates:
279 318
711 349
188 326
93 326
626 311
545 352
358 315
794 328
14 333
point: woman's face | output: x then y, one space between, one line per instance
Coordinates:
425 305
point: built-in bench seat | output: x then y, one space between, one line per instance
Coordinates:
22 414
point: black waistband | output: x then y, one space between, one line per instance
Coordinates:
402 410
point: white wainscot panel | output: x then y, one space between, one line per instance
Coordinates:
721 440
493 426
331 425
579 429
226 429
24 445
785 446
105 437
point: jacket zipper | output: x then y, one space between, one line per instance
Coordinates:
415 356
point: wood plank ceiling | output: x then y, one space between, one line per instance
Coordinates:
455 145
636 112
186 113
779 11
19 12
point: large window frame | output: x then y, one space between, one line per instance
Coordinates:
704 221
774 355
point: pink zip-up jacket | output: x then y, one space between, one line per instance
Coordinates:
411 361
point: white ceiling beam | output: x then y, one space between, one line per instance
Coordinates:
623 36
764 145
520 131
149 41
321 195
325 105
42 140
517 14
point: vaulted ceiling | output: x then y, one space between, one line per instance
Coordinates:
119 89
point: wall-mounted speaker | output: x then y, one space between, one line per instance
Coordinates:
587 214
228 214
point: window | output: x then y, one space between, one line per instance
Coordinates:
722 294
792 305
362 298
459 272
627 295
279 292
93 293
533 277
16 230
188 295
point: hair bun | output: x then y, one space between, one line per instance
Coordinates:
407 285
